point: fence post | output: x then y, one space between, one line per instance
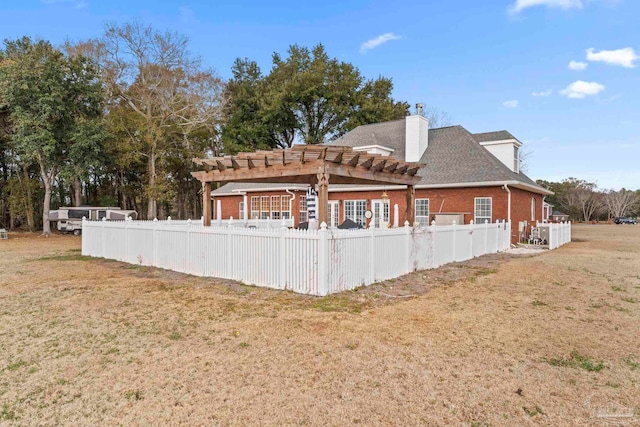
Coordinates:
407 245
498 236
282 261
323 260
229 261
471 223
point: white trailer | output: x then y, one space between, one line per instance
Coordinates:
69 219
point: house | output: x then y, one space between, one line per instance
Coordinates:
557 216
465 177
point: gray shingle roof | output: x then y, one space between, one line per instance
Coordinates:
453 156
500 135
388 134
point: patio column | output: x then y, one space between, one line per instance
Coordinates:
411 197
323 198
206 204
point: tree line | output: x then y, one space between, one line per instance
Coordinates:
116 120
584 201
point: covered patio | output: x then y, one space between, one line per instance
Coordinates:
315 165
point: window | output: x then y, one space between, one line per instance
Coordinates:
303 209
241 210
354 210
285 206
255 207
275 207
516 159
264 207
78 214
533 209
422 211
483 210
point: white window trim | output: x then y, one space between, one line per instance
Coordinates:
415 210
356 218
475 210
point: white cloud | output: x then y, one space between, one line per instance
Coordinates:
542 93
373 43
578 66
580 89
623 57
521 5
511 104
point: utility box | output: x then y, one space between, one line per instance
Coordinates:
448 218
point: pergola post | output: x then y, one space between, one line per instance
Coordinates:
323 198
206 204
411 197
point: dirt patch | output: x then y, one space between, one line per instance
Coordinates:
548 339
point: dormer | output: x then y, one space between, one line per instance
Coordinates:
504 146
375 149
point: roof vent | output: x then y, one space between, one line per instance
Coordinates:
419 109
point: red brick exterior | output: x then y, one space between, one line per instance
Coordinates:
445 200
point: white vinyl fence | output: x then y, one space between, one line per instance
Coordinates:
316 262
559 233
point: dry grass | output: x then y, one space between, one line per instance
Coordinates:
502 340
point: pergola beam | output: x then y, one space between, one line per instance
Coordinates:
308 164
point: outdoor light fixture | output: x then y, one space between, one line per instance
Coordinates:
385 196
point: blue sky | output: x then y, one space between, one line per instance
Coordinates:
491 64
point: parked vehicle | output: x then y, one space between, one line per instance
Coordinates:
625 220
69 219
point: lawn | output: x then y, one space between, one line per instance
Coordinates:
550 339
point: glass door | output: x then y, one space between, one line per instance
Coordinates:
380 213
334 213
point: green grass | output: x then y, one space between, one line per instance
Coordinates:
576 360
538 303
175 336
532 412
630 300
632 363
15 365
7 414
134 395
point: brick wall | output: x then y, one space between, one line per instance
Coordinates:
445 200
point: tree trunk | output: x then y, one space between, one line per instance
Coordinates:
77 191
46 225
29 202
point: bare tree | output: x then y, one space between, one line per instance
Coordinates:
437 118
152 74
620 202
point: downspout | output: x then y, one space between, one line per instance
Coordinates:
542 216
505 187
293 197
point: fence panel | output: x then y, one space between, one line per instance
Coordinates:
305 261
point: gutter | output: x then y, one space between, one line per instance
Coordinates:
517 184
